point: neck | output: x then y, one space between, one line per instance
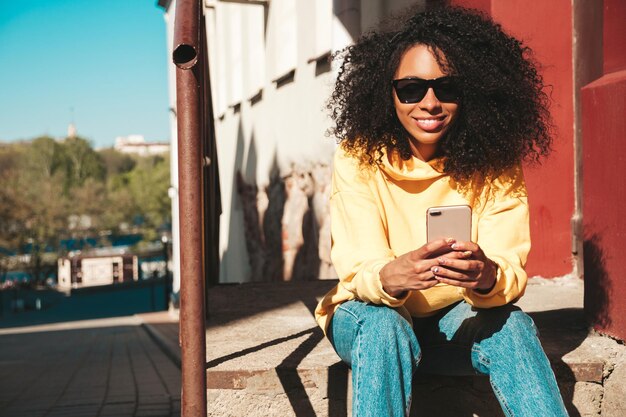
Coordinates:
424 152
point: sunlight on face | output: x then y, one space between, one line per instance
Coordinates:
428 120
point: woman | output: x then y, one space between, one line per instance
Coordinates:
441 110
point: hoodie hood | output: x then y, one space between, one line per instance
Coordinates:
413 169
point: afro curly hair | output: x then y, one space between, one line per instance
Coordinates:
503 118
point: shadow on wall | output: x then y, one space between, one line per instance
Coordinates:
286 223
234 224
597 284
262 214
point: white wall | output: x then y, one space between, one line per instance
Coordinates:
286 125
173 190
249 48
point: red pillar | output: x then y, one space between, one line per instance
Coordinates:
604 188
546 27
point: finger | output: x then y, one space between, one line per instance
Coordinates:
426 276
458 254
424 265
461 264
465 246
432 247
442 272
457 283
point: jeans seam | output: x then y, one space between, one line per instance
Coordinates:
417 361
485 361
356 318
356 384
496 391
481 358
358 360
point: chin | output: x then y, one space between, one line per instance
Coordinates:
427 139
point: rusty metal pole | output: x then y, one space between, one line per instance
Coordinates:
192 317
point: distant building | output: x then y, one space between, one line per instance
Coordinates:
88 271
137 145
71 130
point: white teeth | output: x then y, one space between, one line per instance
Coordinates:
429 122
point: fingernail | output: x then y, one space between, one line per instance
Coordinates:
454 246
442 261
467 252
435 270
449 240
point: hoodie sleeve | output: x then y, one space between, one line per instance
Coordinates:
360 246
504 236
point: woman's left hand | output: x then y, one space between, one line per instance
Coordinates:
474 270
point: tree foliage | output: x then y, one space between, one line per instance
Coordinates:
55 190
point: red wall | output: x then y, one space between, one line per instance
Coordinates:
547 28
604 188
614 34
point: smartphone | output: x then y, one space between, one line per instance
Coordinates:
449 221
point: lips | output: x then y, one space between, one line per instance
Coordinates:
430 124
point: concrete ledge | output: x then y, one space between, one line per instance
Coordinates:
168 345
266 354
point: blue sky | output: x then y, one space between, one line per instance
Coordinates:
105 59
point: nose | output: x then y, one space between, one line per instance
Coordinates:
430 101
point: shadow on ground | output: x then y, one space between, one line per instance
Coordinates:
561 331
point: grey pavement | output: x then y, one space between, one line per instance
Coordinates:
265 357
105 367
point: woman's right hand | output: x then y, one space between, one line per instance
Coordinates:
412 271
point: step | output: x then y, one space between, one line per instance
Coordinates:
267 357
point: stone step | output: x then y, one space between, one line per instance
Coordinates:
267 357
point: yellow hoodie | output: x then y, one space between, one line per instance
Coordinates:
379 213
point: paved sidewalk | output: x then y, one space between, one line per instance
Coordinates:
106 367
265 357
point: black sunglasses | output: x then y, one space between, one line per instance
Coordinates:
413 89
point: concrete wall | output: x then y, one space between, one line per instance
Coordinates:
269 90
271 80
283 125
173 190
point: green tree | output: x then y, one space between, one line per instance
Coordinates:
141 194
58 189
116 162
150 187
41 209
81 162
89 202
11 204
44 156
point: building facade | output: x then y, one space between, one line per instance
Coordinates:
89 271
270 79
137 145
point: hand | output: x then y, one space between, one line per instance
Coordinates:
413 270
471 270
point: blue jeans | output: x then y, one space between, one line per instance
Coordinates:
384 351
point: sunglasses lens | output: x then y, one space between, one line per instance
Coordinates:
447 91
411 91
414 90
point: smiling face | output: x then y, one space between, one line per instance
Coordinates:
428 120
